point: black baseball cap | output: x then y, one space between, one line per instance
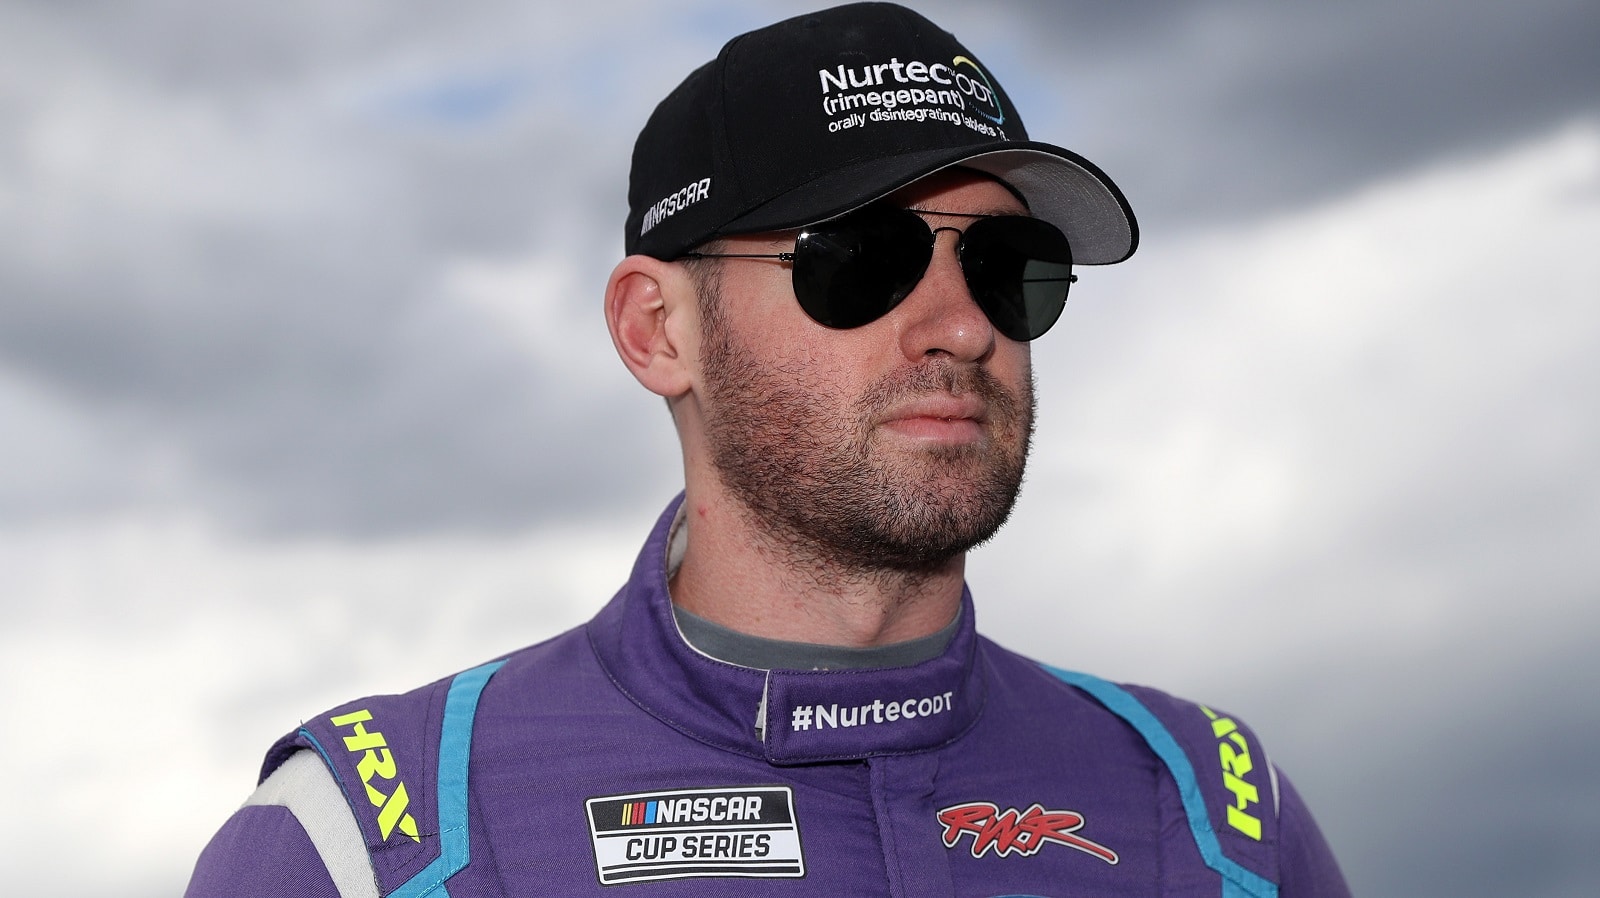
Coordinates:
805 120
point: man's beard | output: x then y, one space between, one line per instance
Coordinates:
828 491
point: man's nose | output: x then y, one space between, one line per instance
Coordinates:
940 317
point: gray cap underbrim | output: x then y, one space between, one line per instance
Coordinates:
1060 187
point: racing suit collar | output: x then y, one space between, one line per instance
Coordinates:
783 716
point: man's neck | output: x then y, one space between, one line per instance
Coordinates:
736 574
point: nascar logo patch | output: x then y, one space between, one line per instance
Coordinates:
747 831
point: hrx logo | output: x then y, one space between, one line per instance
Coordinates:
1236 765
378 762
1021 832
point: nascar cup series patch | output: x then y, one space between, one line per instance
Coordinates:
746 831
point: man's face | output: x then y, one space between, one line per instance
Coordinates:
890 447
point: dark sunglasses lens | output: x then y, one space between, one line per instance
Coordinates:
853 270
1018 270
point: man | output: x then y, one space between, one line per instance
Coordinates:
839 247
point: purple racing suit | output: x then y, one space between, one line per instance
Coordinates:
616 759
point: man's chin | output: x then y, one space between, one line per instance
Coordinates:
949 516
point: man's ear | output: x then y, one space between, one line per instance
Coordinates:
648 305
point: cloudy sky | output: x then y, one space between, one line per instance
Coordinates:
305 393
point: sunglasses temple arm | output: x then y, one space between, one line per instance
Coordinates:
783 257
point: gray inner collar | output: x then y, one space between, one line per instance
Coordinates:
745 650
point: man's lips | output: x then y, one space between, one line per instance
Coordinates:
938 417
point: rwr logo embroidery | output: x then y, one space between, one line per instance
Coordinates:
1023 833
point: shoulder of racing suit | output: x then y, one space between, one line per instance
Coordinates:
1228 787
401 762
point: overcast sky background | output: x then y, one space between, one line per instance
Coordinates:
305 393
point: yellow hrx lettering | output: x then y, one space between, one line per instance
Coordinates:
377 762
1220 726
394 812
1244 795
1235 760
1234 753
362 740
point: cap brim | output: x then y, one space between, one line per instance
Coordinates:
1060 187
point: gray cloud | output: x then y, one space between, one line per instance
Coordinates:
1216 110
246 248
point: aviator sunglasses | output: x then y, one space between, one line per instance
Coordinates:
852 270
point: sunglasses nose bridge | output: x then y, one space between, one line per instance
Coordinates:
955 248
956 240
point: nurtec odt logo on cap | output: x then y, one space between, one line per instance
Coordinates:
957 92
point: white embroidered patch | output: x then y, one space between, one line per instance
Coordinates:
746 831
